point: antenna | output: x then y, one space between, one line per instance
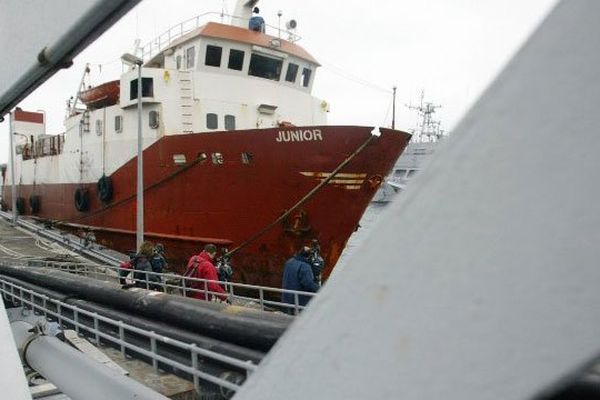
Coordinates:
279 14
428 130
394 109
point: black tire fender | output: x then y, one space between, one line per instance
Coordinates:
20 205
82 199
104 188
35 202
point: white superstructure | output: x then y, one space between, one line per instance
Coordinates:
197 77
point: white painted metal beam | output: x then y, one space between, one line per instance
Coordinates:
482 281
12 377
50 35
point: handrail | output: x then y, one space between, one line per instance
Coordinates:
162 41
15 292
260 297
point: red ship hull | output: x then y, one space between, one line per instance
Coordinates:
263 174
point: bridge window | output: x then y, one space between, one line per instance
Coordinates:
213 56
236 59
147 88
230 122
265 67
306 73
178 60
212 121
291 73
190 55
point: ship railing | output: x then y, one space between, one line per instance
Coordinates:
164 40
102 330
264 298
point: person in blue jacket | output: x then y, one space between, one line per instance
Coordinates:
298 275
256 23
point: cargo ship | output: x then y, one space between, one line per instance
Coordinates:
236 152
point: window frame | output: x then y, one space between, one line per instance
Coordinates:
153 122
243 57
295 73
257 56
209 117
147 88
118 126
190 62
228 126
306 77
208 53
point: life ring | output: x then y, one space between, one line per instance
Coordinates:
82 199
35 204
20 205
104 188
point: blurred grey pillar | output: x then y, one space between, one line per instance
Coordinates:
134 60
80 377
13 188
12 377
482 281
140 166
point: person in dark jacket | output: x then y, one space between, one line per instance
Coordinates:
158 262
298 275
201 267
141 265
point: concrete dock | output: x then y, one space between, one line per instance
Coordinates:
19 247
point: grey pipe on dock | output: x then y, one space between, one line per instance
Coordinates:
75 374
248 328
183 335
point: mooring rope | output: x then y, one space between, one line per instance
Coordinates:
303 199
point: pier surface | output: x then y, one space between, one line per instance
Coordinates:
20 246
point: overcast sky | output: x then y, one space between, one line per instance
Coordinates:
451 49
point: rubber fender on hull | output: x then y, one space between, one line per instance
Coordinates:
105 188
35 202
20 205
82 199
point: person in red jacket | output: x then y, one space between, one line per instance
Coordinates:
201 267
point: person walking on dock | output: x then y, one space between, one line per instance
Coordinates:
139 263
298 275
142 264
201 267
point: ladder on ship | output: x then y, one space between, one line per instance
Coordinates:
186 100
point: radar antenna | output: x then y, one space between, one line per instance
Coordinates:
428 129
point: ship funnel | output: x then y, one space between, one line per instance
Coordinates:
291 24
243 12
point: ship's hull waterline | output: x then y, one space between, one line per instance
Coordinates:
231 186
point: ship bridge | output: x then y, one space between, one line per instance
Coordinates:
210 76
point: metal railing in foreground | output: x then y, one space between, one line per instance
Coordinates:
70 316
260 297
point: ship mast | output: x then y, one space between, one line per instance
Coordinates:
428 129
